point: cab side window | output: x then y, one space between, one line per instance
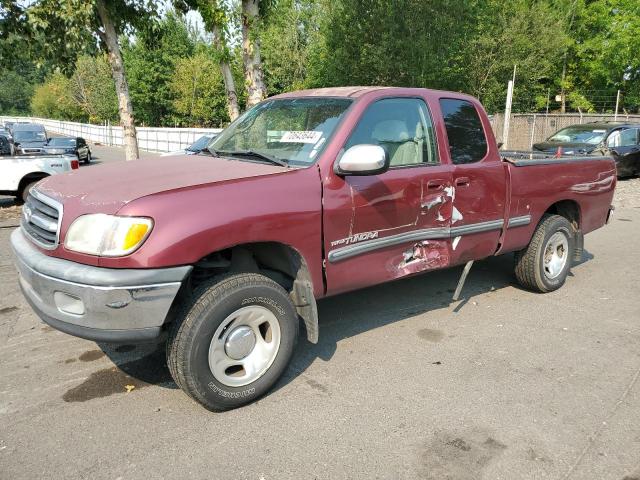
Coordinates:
624 138
467 142
403 127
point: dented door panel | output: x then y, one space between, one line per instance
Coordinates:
477 201
383 227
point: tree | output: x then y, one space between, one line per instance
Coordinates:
70 28
216 20
604 55
15 92
511 34
92 89
53 99
289 32
254 77
197 87
150 59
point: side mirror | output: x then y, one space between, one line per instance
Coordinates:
363 160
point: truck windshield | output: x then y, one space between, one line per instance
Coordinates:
293 131
579 135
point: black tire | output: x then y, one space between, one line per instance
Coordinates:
529 262
87 160
25 191
191 335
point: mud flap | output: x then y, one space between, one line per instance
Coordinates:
305 303
579 246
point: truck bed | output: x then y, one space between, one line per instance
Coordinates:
528 158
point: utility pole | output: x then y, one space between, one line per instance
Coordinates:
615 116
507 109
548 99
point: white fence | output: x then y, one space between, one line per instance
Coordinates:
525 129
149 138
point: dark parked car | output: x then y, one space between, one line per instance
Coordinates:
5 146
4 133
624 147
70 146
620 140
29 138
581 139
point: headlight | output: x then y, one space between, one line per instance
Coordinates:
107 235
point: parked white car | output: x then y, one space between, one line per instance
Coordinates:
19 173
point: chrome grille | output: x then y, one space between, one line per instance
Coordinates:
41 218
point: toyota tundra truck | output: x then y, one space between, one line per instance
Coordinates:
224 254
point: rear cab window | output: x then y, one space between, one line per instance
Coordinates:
467 140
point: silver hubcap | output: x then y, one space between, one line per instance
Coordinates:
556 252
244 346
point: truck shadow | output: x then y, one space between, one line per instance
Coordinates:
347 315
351 314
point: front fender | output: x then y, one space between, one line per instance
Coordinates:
194 222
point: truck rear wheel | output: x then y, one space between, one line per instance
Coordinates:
544 265
232 340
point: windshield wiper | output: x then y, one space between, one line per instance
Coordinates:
206 151
252 153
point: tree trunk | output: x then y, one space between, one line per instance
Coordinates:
110 38
229 84
256 90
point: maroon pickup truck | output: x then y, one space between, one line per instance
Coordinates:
306 195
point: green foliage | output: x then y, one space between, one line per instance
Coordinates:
521 33
66 29
150 60
402 43
53 99
198 91
587 48
91 87
285 40
15 93
604 55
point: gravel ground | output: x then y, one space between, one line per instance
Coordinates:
627 193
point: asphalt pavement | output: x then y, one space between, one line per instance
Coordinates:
404 384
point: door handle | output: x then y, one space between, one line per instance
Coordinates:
435 185
462 182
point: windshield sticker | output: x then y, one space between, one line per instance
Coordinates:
309 136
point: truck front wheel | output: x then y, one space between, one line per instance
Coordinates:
544 265
232 340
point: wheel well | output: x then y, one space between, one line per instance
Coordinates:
281 263
30 177
568 209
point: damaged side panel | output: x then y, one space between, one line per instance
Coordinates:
375 226
420 257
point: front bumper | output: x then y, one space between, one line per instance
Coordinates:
100 304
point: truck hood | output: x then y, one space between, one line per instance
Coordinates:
106 188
